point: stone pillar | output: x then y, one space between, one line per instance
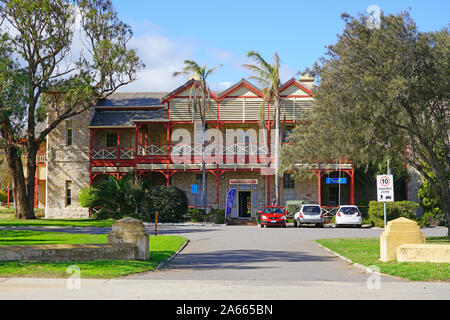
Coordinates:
132 231
397 232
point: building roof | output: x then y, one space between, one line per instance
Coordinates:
126 118
132 99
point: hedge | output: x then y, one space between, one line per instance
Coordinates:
171 203
292 206
394 210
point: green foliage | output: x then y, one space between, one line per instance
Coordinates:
219 216
87 197
394 210
115 197
3 196
292 206
195 215
39 71
430 203
171 203
379 91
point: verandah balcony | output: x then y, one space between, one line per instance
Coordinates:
113 153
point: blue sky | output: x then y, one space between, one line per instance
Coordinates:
218 32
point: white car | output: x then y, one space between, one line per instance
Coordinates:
310 214
348 215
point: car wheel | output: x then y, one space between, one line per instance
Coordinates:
358 226
295 223
262 226
336 226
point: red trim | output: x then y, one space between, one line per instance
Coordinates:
175 93
293 81
242 84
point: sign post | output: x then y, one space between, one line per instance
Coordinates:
385 191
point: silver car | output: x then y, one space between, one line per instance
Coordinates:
309 214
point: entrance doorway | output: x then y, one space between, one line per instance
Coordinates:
245 204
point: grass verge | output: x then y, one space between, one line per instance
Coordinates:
161 248
367 253
8 220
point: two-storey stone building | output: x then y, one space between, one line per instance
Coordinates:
155 135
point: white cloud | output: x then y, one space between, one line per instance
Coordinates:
161 57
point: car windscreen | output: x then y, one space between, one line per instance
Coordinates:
349 210
273 210
311 210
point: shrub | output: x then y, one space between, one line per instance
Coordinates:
292 206
171 203
219 216
87 197
195 215
114 197
394 210
3 196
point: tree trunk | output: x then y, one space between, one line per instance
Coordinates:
23 193
204 195
277 153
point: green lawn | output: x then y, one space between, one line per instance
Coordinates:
7 220
367 252
161 248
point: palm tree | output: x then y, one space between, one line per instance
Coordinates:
200 103
268 76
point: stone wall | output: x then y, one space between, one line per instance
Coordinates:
128 240
67 163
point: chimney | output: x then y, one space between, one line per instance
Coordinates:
307 80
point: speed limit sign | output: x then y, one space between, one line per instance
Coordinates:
385 188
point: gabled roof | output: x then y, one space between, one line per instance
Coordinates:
132 99
182 88
294 81
243 83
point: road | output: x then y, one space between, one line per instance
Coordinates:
244 262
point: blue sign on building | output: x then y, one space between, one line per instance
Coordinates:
336 180
194 188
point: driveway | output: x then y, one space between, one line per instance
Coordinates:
241 253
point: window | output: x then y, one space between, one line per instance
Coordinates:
288 181
111 140
69 133
68 193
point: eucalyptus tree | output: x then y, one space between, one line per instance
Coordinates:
381 91
199 103
268 77
43 64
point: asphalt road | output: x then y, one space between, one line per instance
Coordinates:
242 263
243 253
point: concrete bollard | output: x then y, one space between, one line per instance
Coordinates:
132 231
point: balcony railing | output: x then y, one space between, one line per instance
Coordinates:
111 153
230 153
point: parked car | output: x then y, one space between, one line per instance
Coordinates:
273 216
309 214
348 215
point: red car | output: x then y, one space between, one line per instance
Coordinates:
273 216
